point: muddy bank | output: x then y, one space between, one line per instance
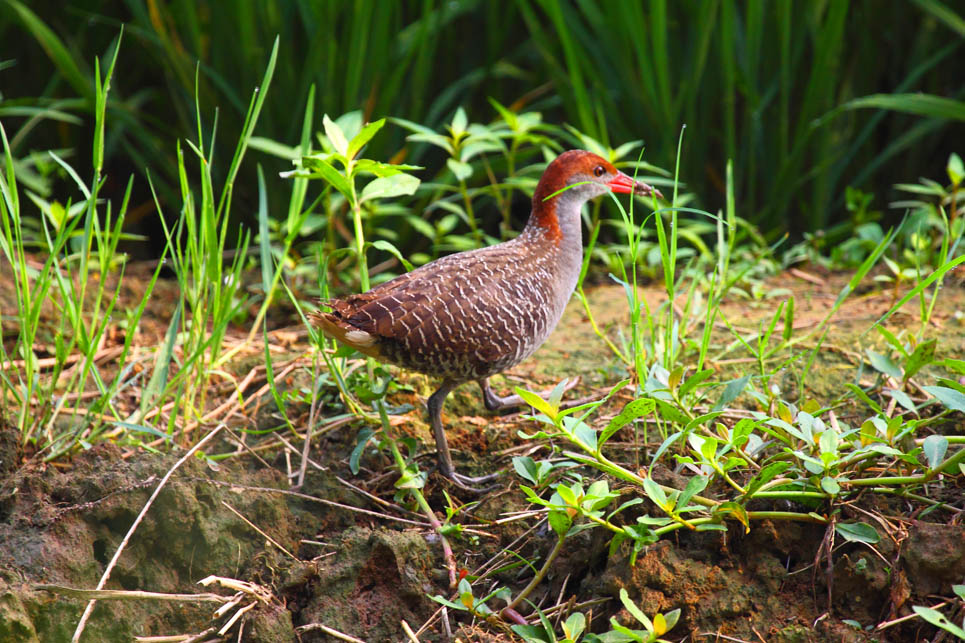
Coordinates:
356 561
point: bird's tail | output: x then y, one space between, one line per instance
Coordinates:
339 329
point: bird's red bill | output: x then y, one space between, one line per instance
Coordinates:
625 184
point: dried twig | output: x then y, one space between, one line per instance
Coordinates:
131 595
260 531
130 532
305 496
331 632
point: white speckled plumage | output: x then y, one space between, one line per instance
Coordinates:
473 314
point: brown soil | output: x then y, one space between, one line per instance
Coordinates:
364 574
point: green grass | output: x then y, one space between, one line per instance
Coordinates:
351 216
803 98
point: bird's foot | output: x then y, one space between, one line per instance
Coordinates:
495 402
467 482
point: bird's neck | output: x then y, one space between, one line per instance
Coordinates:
555 221
555 238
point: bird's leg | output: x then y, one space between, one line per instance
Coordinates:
434 405
495 402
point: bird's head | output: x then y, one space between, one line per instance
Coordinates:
587 175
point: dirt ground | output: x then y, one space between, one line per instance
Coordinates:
340 556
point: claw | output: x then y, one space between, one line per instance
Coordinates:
466 482
495 402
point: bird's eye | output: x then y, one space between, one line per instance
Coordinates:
599 171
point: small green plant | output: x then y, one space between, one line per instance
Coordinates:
469 603
80 241
938 619
464 142
573 628
341 168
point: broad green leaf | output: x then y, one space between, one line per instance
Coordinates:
382 244
737 511
655 492
462 171
742 431
709 449
361 441
364 136
957 365
459 122
923 355
830 486
574 625
935 617
632 411
902 398
321 168
582 432
390 186
952 384
671 618
857 532
670 412
432 138
473 148
764 476
445 601
556 395
568 495
731 391
382 169
828 442
950 398
694 486
335 136
350 123
883 364
537 402
531 633
702 420
635 611
559 521
693 381
527 468
955 169
934 447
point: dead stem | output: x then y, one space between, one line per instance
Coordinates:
137 521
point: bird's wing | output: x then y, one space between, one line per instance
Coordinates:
446 305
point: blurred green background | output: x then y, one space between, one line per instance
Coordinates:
779 87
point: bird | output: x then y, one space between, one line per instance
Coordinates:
473 314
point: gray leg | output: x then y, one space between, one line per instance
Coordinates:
434 405
494 402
